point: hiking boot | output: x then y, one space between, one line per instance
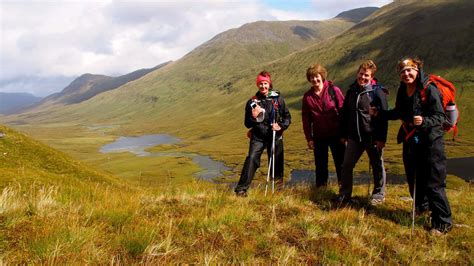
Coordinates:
376 200
421 211
241 193
341 200
436 232
321 186
441 229
279 183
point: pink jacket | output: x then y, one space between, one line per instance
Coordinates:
321 117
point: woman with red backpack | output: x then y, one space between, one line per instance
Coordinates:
419 106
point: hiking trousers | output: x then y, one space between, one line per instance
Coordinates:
252 162
426 164
321 149
353 153
410 162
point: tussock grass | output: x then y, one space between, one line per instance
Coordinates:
206 224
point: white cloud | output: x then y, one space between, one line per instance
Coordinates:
44 39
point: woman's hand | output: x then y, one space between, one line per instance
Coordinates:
256 111
343 141
311 145
379 144
373 111
276 127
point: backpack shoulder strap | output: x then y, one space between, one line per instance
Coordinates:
332 93
276 103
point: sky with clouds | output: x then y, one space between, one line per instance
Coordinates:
46 44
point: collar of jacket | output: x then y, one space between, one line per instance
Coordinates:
422 79
271 94
358 89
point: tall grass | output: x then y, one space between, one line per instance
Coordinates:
206 224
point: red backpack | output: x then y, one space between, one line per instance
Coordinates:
447 91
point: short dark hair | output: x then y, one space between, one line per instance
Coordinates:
368 65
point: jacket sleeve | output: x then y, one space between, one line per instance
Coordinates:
380 125
435 113
395 113
306 119
249 122
345 117
285 116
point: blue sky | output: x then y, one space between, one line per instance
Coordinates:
47 44
298 5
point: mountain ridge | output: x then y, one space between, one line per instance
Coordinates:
12 102
89 85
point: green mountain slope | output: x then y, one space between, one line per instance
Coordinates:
358 14
87 86
25 161
215 61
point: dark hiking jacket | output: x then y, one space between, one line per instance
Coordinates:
431 110
320 116
273 102
357 124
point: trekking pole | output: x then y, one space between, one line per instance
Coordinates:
268 175
413 209
273 162
368 180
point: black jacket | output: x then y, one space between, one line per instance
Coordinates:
262 130
431 110
357 124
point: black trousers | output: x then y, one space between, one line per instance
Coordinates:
425 165
252 162
321 149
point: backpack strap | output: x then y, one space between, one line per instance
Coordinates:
275 109
276 103
332 93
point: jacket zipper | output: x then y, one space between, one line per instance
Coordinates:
357 116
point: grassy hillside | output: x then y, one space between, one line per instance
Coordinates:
201 223
54 210
25 161
85 87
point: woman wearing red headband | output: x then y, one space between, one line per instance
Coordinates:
423 143
264 113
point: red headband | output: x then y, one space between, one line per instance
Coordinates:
261 78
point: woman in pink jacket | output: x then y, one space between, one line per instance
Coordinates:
322 105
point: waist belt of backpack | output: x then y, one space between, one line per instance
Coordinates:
408 133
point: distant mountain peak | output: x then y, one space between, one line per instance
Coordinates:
358 14
88 85
15 101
